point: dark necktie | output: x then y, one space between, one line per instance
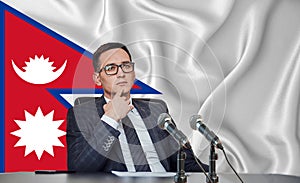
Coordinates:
137 153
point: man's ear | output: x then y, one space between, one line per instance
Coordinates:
96 78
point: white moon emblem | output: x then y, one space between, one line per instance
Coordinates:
39 70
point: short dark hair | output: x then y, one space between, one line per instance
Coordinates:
106 47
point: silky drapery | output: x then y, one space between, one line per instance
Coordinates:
236 63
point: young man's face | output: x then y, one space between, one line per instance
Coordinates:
120 81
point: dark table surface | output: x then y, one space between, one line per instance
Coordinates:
30 177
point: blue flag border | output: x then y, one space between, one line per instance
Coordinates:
2 72
56 92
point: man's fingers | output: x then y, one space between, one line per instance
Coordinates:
131 107
104 106
119 93
127 101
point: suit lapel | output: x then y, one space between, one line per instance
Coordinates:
99 104
148 116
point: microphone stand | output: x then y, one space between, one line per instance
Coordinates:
180 176
212 165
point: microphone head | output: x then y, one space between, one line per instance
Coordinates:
162 119
194 120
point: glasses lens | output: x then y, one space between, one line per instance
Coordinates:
127 67
111 69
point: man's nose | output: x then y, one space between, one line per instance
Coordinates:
120 72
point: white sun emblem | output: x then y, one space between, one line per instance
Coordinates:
39 70
39 133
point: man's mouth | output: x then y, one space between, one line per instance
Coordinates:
122 83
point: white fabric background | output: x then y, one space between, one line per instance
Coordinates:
234 62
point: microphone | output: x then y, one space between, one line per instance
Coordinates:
166 122
196 124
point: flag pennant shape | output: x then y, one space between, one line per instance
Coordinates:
38 67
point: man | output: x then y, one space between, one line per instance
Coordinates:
116 132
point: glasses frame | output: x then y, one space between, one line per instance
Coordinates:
118 66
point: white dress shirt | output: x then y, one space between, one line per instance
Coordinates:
144 137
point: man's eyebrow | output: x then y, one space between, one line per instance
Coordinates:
126 61
110 64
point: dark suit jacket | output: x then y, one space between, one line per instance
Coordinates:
93 145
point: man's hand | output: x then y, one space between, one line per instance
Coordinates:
118 107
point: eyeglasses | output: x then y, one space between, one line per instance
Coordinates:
112 69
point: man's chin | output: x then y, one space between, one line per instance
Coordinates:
125 90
